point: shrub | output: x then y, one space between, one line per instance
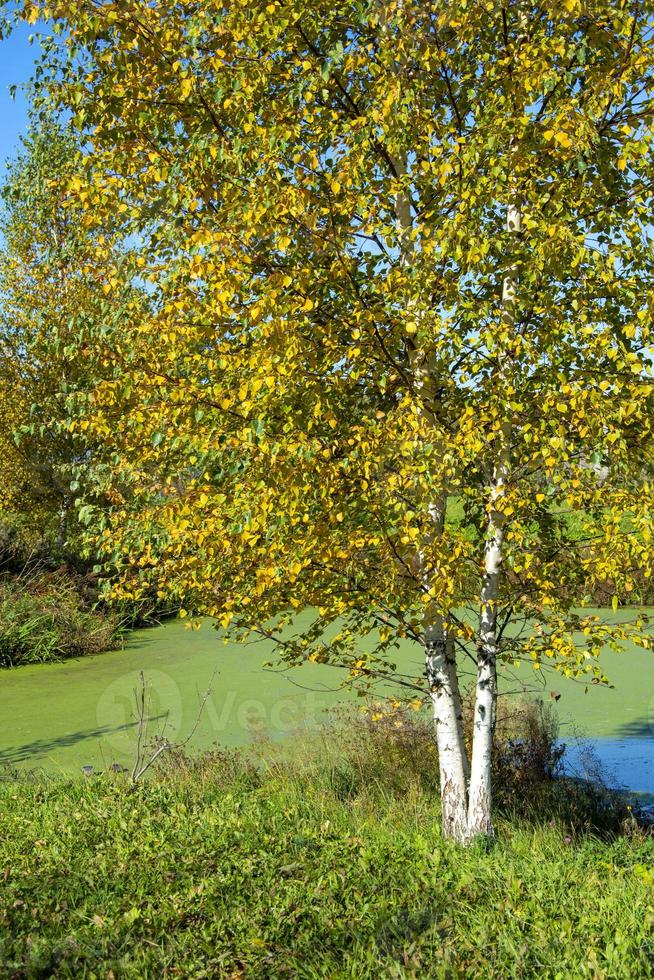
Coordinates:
390 753
20 544
47 617
527 753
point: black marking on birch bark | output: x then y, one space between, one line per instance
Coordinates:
434 648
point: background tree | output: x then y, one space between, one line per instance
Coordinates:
400 272
51 291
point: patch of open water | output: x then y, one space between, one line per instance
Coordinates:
620 763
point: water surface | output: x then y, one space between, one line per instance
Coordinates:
63 716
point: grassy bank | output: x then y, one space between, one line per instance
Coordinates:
224 868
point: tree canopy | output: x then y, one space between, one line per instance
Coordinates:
396 286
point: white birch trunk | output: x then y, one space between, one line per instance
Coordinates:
448 721
443 681
479 806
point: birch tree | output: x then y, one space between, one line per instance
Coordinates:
400 271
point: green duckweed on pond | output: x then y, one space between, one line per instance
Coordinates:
65 715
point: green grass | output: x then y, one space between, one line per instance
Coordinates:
220 870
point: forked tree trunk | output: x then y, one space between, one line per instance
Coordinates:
466 797
479 806
465 789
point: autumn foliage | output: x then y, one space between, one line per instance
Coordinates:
307 405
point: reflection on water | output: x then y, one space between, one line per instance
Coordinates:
621 763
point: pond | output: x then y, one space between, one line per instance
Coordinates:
63 716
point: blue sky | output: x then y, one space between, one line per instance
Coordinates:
16 63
